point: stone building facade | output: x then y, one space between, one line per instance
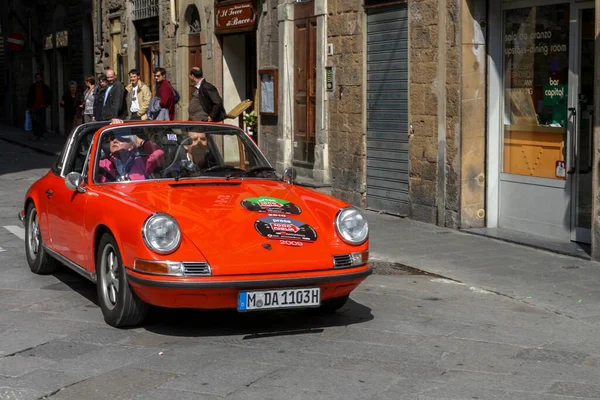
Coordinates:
57 42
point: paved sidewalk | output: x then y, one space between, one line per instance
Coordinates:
566 285
51 145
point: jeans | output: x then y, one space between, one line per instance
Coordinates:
38 120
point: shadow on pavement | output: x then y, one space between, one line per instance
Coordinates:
19 152
197 323
77 283
255 325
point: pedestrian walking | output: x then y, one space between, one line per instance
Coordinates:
166 93
88 98
138 97
38 99
99 97
71 102
206 103
114 98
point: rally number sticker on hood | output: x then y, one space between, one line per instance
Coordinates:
270 205
285 228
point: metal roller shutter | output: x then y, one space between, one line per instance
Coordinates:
387 110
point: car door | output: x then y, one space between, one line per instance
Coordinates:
66 208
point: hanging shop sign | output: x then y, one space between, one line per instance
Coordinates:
234 18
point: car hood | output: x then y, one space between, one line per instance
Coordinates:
249 226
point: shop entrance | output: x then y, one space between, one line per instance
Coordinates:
581 169
545 180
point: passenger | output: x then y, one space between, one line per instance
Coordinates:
151 153
124 162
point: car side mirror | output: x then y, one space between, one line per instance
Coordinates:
74 181
289 175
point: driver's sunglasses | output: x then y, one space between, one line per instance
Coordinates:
121 139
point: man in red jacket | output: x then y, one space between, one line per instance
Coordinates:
165 91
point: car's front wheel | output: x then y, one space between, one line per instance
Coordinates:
38 258
120 305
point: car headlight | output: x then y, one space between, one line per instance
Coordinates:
352 226
161 233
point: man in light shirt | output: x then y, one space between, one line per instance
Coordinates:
138 97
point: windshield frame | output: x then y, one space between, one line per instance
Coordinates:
246 140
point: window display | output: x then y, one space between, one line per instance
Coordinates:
536 73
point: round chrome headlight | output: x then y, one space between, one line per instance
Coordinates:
161 233
352 226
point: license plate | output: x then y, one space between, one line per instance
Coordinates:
279 298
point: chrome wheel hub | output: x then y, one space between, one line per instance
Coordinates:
33 236
109 269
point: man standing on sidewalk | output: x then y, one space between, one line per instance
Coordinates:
38 98
113 97
165 91
138 97
206 103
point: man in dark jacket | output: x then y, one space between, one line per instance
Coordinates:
206 103
114 97
166 93
38 98
99 98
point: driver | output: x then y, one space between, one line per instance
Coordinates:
198 150
124 162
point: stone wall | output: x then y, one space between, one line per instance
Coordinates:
453 114
267 43
423 109
435 111
474 114
347 137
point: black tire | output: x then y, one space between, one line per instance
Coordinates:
40 262
330 306
120 305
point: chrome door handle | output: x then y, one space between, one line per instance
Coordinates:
573 167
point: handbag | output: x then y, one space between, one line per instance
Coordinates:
28 122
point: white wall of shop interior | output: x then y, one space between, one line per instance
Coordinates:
234 72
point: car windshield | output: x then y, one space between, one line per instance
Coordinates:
134 152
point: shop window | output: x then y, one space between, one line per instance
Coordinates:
536 72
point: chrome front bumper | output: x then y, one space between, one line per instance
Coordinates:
21 216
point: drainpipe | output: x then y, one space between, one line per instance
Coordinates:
99 23
173 19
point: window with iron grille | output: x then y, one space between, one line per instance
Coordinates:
143 9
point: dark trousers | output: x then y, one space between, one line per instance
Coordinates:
38 121
134 117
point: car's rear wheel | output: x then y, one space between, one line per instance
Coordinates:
120 305
330 306
38 258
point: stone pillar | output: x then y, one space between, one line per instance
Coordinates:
423 109
321 166
285 16
596 164
473 121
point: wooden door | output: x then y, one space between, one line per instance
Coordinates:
305 74
148 61
194 56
